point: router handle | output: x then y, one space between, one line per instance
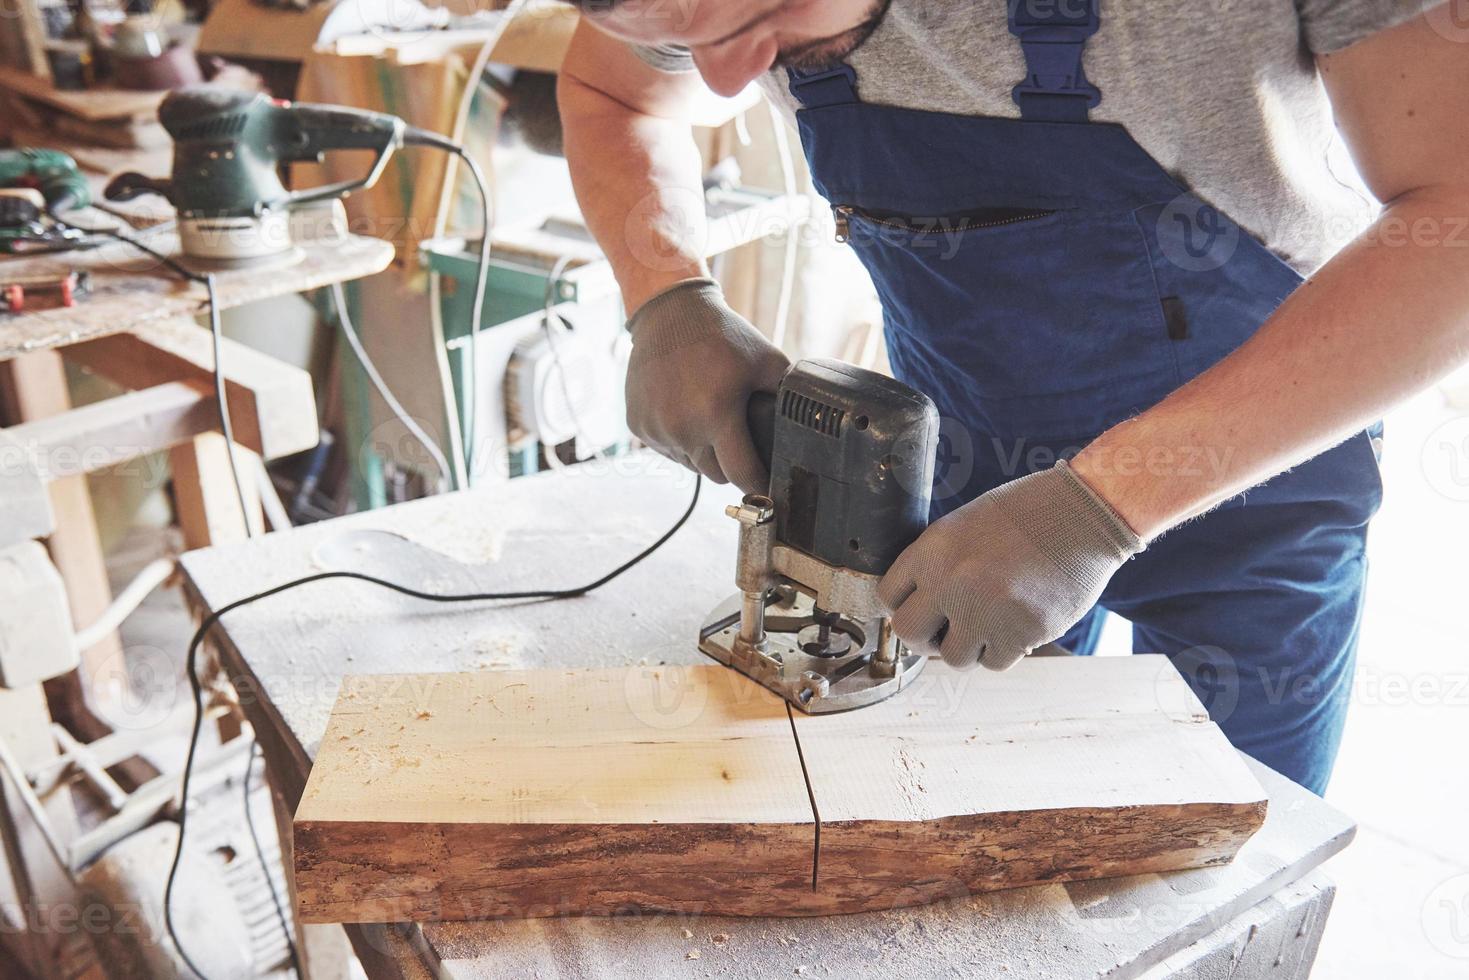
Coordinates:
760 414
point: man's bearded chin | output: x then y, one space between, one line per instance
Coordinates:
827 51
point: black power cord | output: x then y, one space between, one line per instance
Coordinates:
209 621
216 334
416 137
275 899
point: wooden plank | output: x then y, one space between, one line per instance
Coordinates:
115 430
23 42
36 639
322 950
535 793
466 795
1113 929
36 390
90 104
129 291
272 404
205 499
43 886
25 507
1112 763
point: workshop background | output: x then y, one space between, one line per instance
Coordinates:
102 738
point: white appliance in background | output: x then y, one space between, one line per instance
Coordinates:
565 383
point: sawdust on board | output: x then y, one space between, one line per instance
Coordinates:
980 936
470 538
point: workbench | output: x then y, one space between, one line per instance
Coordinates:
137 327
1258 917
130 289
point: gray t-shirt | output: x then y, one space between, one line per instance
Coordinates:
1224 95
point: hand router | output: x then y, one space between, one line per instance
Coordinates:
851 457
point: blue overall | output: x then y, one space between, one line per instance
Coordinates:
1043 279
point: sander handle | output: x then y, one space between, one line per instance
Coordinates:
760 415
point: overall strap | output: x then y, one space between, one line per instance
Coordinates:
824 87
1053 34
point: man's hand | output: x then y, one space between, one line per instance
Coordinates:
694 364
1008 572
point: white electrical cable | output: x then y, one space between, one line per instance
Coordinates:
339 300
154 574
452 430
793 235
216 336
471 374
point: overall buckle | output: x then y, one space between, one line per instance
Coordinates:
836 85
1053 34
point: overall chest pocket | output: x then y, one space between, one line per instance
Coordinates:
1022 321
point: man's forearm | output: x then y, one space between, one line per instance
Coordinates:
638 181
1382 320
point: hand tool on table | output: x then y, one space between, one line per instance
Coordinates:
26 228
51 172
851 457
228 146
14 290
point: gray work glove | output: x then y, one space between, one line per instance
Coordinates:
1007 572
694 364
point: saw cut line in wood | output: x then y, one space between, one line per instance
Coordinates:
691 789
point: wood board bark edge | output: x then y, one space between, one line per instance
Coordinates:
709 869
351 868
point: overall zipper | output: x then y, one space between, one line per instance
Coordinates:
843 213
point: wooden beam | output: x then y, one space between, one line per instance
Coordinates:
43 887
131 291
272 405
116 430
717 805
690 789
25 507
1059 769
35 388
36 638
205 499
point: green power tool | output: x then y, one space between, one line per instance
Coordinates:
33 185
51 172
225 184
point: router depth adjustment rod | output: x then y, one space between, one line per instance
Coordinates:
851 456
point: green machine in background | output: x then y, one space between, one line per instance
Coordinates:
34 185
51 172
551 351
